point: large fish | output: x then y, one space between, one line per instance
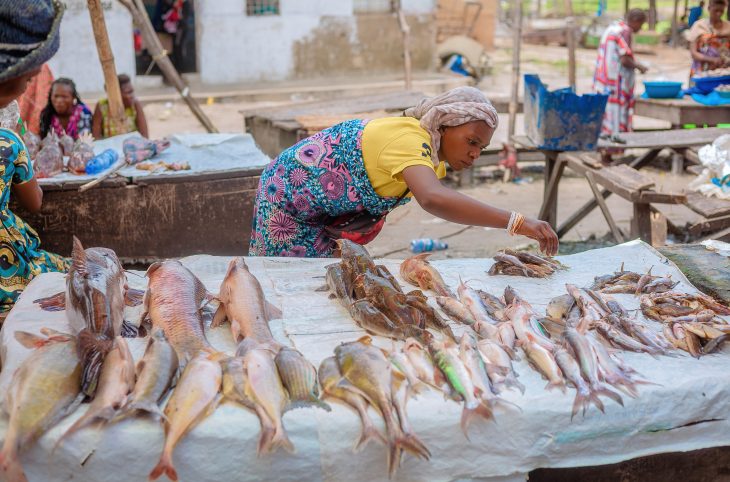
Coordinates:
116 381
366 368
96 294
155 374
44 389
335 388
244 305
418 271
371 319
173 301
194 398
571 371
299 378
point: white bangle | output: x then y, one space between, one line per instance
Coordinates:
512 218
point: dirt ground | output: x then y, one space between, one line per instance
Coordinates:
411 221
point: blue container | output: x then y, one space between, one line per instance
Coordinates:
708 84
561 120
102 162
662 90
427 244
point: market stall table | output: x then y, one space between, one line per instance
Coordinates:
682 111
539 434
654 142
145 215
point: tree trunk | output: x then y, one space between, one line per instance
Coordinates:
516 45
652 15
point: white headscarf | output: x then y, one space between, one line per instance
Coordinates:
453 108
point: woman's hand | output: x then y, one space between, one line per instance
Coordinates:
541 232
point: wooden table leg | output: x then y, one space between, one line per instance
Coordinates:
549 210
604 208
641 223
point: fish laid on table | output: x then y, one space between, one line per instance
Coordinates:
96 294
173 302
371 319
474 363
336 283
155 374
584 396
265 389
630 282
242 302
195 397
367 369
299 378
499 365
455 310
43 390
519 263
335 388
419 272
116 381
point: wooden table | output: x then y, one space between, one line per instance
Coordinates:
682 111
653 141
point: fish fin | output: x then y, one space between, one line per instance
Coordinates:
273 312
30 340
12 468
91 417
130 330
133 297
423 256
579 403
367 434
280 439
91 350
55 302
143 406
164 466
78 258
294 404
322 288
606 392
365 340
152 268
468 414
413 445
597 402
512 382
219 317
560 385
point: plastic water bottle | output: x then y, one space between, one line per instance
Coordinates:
427 244
102 162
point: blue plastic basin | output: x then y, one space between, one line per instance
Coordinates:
708 84
662 90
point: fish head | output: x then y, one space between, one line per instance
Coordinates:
511 296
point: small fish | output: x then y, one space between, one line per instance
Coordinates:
194 398
335 388
455 310
155 374
643 282
299 378
499 365
559 306
419 272
571 371
473 302
544 362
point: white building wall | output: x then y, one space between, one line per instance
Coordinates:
234 47
77 57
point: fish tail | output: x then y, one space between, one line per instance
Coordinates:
89 418
468 414
142 406
313 402
92 350
512 382
394 456
265 440
10 465
133 297
368 433
164 466
556 384
281 439
607 392
412 444
55 302
597 402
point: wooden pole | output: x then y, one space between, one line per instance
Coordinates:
570 39
652 15
159 55
516 45
675 26
626 6
406 30
106 57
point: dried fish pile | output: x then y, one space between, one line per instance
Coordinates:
691 322
376 301
521 263
629 282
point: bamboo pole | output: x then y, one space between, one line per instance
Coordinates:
652 15
406 30
516 45
570 40
675 26
136 8
106 57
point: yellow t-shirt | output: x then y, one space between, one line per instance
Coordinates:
391 144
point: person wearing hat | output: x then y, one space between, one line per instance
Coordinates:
341 182
29 36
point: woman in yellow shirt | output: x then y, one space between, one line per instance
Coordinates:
320 189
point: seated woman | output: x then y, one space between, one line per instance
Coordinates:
133 113
309 194
65 113
709 40
21 57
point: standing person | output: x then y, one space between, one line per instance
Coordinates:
695 13
65 113
29 36
133 113
615 73
709 40
34 99
315 191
